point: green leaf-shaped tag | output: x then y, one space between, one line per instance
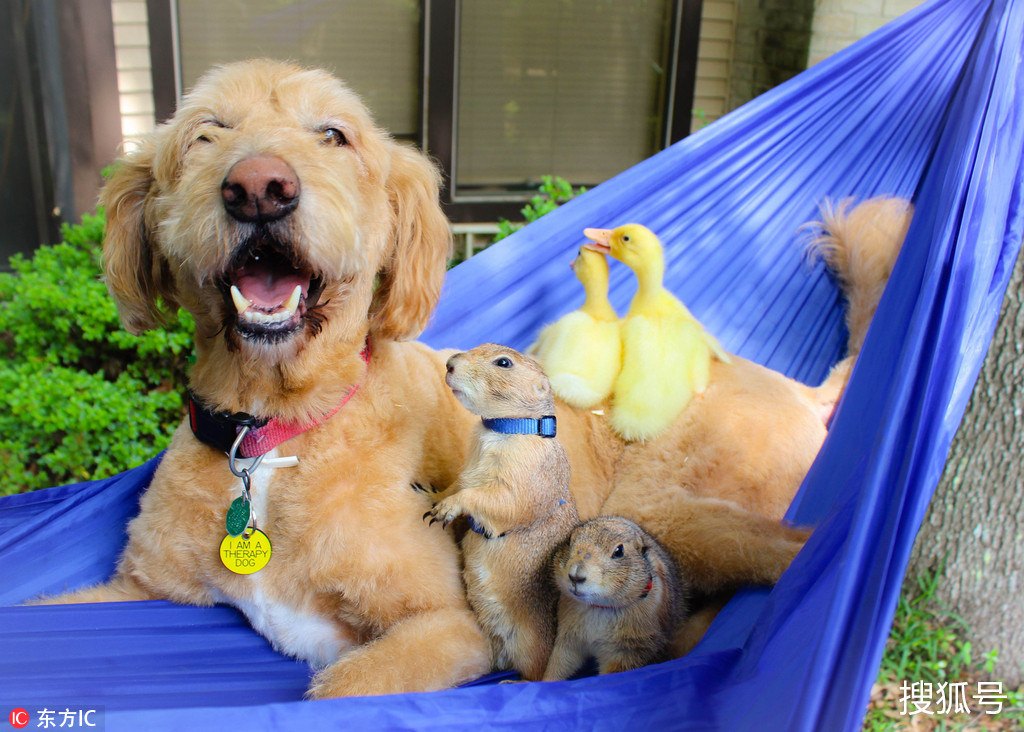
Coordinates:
238 516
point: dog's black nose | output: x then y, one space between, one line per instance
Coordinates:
260 188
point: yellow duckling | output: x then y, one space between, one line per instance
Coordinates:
580 352
666 353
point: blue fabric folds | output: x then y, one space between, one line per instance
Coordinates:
930 107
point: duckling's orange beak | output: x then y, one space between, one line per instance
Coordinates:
600 240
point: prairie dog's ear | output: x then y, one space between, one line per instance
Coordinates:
413 271
133 272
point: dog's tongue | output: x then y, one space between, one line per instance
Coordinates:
267 288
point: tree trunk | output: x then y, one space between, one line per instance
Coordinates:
975 522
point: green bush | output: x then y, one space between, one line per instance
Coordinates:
553 192
85 399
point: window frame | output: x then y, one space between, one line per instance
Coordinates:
439 89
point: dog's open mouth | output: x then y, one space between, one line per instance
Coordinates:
269 289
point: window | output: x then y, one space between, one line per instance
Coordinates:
500 93
374 45
572 89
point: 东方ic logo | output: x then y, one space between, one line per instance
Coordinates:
19 718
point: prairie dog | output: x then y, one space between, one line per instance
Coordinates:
622 599
514 491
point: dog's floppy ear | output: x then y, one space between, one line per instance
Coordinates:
132 273
412 274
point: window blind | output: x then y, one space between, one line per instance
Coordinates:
374 45
569 88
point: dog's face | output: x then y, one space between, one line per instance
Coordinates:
273 209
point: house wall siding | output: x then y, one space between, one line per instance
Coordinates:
134 80
714 61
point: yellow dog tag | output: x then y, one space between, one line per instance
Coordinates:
247 553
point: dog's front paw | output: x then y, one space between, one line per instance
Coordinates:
444 511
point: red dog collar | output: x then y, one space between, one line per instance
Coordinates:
220 429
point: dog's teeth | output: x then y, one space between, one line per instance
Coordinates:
293 302
252 315
255 316
241 303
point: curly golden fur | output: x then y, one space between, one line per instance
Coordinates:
358 585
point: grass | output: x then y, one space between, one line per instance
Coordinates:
930 666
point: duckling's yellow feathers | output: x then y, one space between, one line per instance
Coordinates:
581 356
665 362
667 306
666 353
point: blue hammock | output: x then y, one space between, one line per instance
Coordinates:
930 107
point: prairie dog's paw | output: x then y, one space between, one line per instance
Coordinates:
444 511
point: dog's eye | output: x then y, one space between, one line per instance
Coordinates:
618 552
207 135
333 136
503 363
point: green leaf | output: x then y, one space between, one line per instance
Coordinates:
85 398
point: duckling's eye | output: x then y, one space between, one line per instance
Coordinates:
626 239
503 362
618 552
333 136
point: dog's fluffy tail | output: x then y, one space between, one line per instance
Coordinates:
859 243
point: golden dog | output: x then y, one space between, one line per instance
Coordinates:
309 246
